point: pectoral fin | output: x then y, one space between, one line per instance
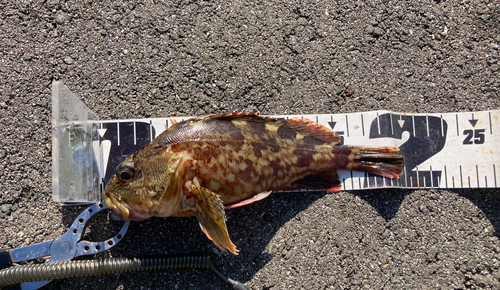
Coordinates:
210 215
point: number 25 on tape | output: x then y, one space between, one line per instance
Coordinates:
474 137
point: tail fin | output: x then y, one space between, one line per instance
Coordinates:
377 160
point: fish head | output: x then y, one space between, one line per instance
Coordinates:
144 186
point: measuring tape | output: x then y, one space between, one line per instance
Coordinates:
450 150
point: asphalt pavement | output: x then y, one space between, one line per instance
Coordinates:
145 59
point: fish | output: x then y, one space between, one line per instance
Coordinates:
208 164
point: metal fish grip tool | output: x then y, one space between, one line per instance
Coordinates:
61 250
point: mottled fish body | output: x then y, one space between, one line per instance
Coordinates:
204 165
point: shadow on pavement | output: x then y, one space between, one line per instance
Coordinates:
251 229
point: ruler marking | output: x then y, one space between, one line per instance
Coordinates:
468 180
413 123
427 124
151 130
401 119
494 175
362 125
461 178
418 178
445 177
166 123
359 181
352 181
406 174
135 136
491 129
411 181
378 124
346 125
392 125
432 181
485 181
118 131
442 127
453 181
456 120
477 176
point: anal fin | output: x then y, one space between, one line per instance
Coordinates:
211 216
258 197
323 180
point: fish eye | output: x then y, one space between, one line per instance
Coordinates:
125 171
125 175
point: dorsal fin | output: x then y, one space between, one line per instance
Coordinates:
304 126
254 117
312 129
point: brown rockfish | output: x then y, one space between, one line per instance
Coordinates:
204 165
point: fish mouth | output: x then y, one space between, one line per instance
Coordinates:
119 208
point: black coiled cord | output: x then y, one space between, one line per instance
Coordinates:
86 268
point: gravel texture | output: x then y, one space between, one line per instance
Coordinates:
143 59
